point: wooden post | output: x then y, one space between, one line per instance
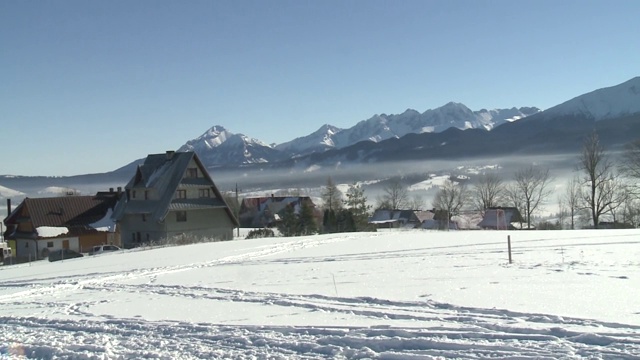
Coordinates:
509 246
237 211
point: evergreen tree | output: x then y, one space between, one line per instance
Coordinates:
331 196
288 224
306 222
357 205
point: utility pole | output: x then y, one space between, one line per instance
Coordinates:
237 211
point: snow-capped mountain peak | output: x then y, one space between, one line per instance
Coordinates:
218 146
602 104
319 140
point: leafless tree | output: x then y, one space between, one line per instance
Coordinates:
395 195
514 198
531 184
622 194
602 188
572 198
451 198
562 213
631 212
630 165
488 192
416 202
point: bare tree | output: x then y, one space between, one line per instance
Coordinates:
531 184
451 198
630 165
572 199
514 198
602 188
395 195
488 192
416 202
631 159
562 213
631 212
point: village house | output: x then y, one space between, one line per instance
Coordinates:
501 218
260 212
40 225
172 195
411 219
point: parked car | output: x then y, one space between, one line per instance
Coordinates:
101 249
62 254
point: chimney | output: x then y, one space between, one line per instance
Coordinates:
8 207
170 154
119 189
110 190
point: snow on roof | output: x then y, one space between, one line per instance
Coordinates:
51 231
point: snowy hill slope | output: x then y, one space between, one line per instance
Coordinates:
404 295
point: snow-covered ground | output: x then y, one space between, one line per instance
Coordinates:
385 295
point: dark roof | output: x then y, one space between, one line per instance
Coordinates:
64 211
165 173
493 216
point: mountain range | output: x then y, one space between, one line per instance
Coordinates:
219 147
452 130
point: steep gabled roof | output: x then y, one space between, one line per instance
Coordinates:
63 211
164 173
386 216
493 217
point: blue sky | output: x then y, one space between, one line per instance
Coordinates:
88 86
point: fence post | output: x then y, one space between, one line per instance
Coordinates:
509 246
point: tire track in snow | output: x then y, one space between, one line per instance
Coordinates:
132 338
39 290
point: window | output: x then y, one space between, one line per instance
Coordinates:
204 193
181 216
49 244
146 194
181 194
192 173
133 194
144 217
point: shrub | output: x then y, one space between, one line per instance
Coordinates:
260 233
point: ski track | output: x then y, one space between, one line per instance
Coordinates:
441 330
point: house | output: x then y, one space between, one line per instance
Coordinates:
383 218
258 212
437 220
40 225
172 195
501 218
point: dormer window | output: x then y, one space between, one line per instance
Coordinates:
192 173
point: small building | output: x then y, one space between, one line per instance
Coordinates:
260 212
40 225
501 218
172 195
386 219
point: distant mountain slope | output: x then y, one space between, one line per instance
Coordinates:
602 104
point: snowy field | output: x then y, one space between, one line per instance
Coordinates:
385 295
